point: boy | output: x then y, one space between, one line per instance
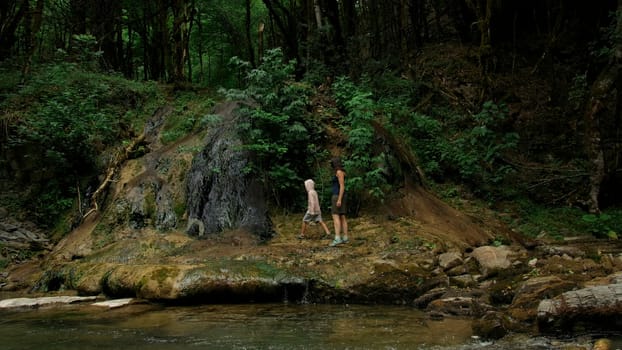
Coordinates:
313 214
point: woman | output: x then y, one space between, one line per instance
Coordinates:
338 200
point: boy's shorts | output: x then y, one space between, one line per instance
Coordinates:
312 217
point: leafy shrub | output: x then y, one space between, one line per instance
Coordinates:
534 220
365 176
278 128
469 149
187 116
479 151
465 149
426 134
603 225
68 118
54 201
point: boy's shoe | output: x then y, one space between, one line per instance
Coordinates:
344 240
335 242
301 237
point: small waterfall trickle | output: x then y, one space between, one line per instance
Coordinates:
305 293
285 296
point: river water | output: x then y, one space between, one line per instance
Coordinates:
254 326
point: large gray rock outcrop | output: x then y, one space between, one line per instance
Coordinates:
221 192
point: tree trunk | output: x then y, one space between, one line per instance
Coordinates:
601 104
260 32
287 24
11 14
104 25
318 14
349 18
200 46
78 15
191 13
375 43
144 34
483 12
33 26
408 30
162 42
593 143
129 55
179 35
249 36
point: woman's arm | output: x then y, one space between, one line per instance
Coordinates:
342 186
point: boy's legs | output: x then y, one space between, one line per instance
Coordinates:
325 228
303 229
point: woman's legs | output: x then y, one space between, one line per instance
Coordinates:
341 229
337 224
344 227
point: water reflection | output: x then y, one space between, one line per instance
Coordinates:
263 326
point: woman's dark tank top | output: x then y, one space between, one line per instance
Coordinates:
335 185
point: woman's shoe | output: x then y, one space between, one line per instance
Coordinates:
344 240
335 242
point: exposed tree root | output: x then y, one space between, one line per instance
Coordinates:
119 159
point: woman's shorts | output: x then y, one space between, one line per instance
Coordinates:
312 217
335 210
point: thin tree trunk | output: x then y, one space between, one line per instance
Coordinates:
146 44
200 46
436 6
602 93
33 26
594 148
190 13
406 32
129 54
178 34
287 24
249 37
11 14
260 32
318 13
483 12
163 43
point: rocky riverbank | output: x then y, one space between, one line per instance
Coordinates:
413 250
505 287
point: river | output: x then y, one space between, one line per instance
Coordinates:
250 326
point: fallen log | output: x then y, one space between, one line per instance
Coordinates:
593 307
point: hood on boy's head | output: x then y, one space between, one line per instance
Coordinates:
309 185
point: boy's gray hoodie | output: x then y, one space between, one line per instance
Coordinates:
313 203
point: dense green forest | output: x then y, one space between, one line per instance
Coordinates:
512 103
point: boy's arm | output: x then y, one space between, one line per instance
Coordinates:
314 203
